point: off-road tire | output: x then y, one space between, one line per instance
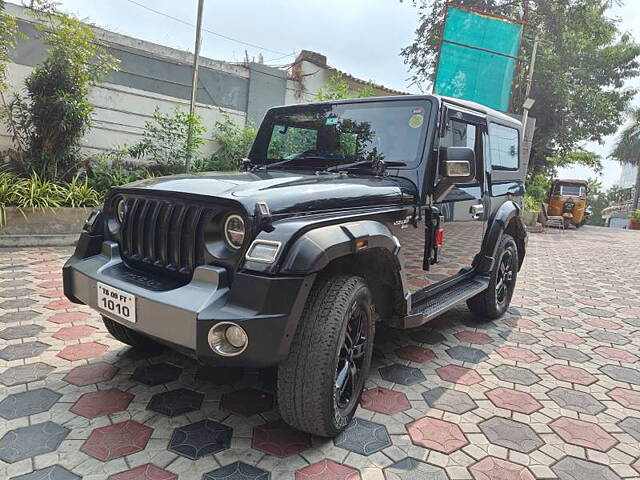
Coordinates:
128 336
485 304
306 379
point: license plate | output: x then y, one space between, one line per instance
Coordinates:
116 302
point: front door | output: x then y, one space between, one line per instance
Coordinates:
463 213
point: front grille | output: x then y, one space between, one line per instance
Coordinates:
162 234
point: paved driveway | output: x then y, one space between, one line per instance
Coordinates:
550 391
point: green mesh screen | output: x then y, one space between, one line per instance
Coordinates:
478 58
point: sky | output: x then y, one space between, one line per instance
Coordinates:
361 37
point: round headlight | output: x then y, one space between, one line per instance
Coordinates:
120 210
234 231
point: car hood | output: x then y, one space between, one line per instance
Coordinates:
286 191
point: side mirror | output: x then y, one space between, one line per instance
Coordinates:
459 165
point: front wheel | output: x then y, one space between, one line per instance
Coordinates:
494 301
321 381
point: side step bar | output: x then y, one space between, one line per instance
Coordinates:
442 301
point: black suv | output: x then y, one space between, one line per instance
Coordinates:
347 213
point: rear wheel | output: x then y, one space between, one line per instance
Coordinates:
321 381
128 336
494 301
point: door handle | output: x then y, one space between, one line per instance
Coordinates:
476 211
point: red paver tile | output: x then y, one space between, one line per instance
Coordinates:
602 323
115 441
518 354
559 311
82 351
467 336
584 434
327 470
51 284
625 397
564 337
593 302
279 439
74 333
90 374
145 472
68 317
63 304
514 400
571 374
617 354
49 276
457 374
435 434
629 312
384 401
492 468
103 402
416 354
522 323
53 294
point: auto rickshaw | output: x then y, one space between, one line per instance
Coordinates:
568 199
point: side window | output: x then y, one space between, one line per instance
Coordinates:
504 146
459 134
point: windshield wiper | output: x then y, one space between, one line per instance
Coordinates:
267 166
379 165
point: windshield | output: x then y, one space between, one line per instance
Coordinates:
322 136
570 190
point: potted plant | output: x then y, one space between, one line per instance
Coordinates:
635 220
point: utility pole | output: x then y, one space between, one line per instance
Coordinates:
194 82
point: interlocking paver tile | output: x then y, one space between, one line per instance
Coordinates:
54 472
18 351
412 469
625 397
416 354
519 375
466 354
575 400
21 316
609 337
514 400
17 303
156 374
26 442
102 402
584 434
449 400
458 374
21 331
82 351
572 468
247 402
427 336
518 354
28 403
118 440
90 374
570 374
492 468
564 337
631 425
467 336
383 400
176 402
279 439
74 333
402 374
523 338
324 469
30 372
622 374
68 317
568 354
200 438
557 322
616 354
436 434
511 434
145 472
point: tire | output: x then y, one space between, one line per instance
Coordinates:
494 301
128 336
308 395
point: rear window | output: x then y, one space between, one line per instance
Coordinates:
505 147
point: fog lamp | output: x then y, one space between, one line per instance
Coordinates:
227 339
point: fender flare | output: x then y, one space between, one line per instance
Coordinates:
315 249
508 212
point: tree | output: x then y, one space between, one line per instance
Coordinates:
54 114
8 36
338 88
627 150
599 199
582 65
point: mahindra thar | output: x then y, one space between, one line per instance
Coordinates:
345 214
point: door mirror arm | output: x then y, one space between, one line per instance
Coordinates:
457 167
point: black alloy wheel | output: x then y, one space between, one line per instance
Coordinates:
349 378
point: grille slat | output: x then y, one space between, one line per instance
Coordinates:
163 234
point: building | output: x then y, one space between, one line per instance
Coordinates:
153 75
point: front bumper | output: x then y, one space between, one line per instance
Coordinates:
181 315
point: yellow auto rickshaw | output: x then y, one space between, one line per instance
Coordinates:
568 199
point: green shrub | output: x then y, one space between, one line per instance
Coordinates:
111 170
78 193
233 143
635 215
531 204
37 193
